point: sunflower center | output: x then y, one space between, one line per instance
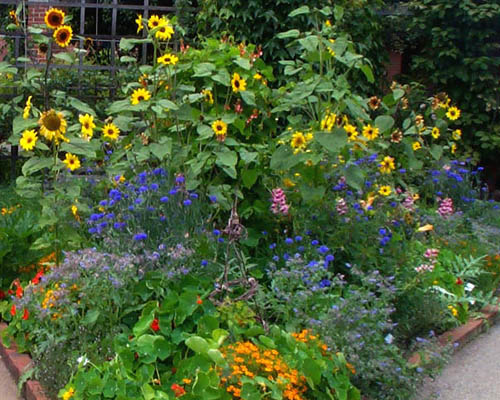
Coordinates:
86 125
63 36
29 140
219 128
51 121
237 83
55 19
140 98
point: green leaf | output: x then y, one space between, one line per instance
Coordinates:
75 147
35 164
81 106
299 11
368 72
398 93
248 97
312 193
20 124
217 357
436 151
161 150
334 141
268 342
222 77
312 370
249 177
355 177
228 158
67 57
197 344
168 104
310 43
292 33
384 123
243 63
127 59
203 69
284 159
91 317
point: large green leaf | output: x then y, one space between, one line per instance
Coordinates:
197 344
384 123
355 177
35 164
334 141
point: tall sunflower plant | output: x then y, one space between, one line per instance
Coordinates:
53 131
205 111
332 131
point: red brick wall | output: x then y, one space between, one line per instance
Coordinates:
36 16
395 65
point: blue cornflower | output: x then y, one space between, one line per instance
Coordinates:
212 198
402 171
139 200
150 208
110 216
216 232
187 202
382 231
140 236
131 208
173 192
286 256
276 258
92 230
159 171
96 217
329 258
143 177
143 189
154 187
193 195
103 203
323 249
288 240
180 179
103 224
314 242
164 199
298 238
272 246
325 283
221 240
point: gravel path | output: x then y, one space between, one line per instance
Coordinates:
472 374
8 389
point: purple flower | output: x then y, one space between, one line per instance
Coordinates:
216 232
213 198
187 202
154 187
164 199
140 236
204 263
288 240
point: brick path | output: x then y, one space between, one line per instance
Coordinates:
8 389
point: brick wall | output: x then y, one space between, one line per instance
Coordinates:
395 65
36 16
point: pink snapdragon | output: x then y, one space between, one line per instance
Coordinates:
445 207
341 207
279 205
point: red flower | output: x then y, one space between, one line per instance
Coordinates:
36 279
19 292
178 390
2 294
459 281
10 291
26 314
155 325
199 300
13 310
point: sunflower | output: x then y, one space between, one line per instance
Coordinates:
453 148
396 136
155 21
299 141
435 132
139 23
238 84
220 128
416 145
385 190
42 49
168 59
165 31
111 131
328 122
374 102
27 108
53 126
87 122
457 134
453 113
330 50
54 18
370 132
63 35
71 161
209 97
352 132
139 95
13 17
28 140
387 165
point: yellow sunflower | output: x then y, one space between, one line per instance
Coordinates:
155 21
165 31
87 122
111 131
416 146
54 18
352 132
139 95
370 132
63 35
209 97
457 134
219 127
453 148
328 122
238 83
299 141
71 161
435 132
330 50
387 165
27 108
168 59
385 190
28 140
13 17
53 126
453 113
374 102
139 23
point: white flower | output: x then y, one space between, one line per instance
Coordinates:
389 338
82 360
469 287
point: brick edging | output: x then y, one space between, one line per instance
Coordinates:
463 333
17 364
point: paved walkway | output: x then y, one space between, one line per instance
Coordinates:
472 374
8 389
